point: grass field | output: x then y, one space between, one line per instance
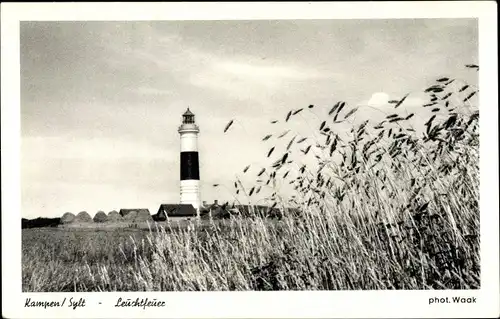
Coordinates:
388 206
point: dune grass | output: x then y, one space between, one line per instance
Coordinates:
387 206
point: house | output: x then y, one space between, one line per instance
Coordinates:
139 211
246 211
255 210
175 211
216 211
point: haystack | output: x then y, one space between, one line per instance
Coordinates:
100 217
83 217
114 216
67 218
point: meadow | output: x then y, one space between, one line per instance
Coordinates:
388 205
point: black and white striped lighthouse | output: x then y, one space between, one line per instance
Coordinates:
190 170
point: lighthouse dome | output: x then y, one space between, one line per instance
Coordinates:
188 112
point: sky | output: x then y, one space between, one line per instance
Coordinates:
101 102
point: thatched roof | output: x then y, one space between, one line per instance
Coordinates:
100 217
125 211
131 215
143 215
83 217
226 211
177 210
67 218
257 210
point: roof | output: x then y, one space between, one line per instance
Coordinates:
125 211
177 210
252 210
244 210
188 112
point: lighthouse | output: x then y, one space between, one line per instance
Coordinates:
190 170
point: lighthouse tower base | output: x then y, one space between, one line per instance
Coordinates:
190 193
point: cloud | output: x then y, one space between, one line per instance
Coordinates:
173 60
252 81
377 108
146 90
381 100
378 99
91 149
259 72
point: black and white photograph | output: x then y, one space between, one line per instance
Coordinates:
233 155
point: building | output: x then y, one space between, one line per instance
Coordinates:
189 164
227 210
126 211
166 211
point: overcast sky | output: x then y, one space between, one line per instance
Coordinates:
101 101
